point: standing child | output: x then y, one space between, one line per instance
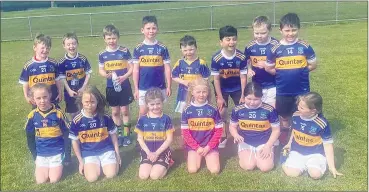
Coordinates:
255 53
228 66
187 69
41 69
116 66
311 143
201 127
255 127
151 64
75 70
291 61
154 135
94 137
46 130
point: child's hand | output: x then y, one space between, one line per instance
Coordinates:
205 151
199 150
250 73
135 95
169 92
220 103
185 83
260 64
80 167
265 152
242 100
30 101
108 75
238 139
79 92
119 160
335 172
120 79
59 98
72 93
287 146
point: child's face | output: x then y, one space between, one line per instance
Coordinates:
252 101
229 43
200 93
42 99
89 103
289 33
41 51
155 106
304 110
111 41
261 33
70 46
149 30
189 52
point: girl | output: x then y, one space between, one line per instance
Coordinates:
94 137
311 143
255 127
46 129
154 135
201 127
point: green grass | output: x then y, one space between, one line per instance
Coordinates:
169 20
341 78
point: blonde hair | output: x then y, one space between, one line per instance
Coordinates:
39 86
260 20
152 94
313 100
42 38
192 84
101 101
70 36
110 30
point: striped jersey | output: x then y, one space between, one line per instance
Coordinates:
49 128
291 64
117 60
255 125
151 59
93 133
256 52
309 135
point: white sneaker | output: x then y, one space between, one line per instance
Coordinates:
223 142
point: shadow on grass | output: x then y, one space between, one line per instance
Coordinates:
335 125
226 153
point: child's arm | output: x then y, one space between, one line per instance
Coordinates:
168 78
103 73
180 81
69 90
243 85
26 94
142 143
77 152
135 78
167 142
65 127
220 99
312 65
233 124
30 133
214 141
329 153
127 75
87 79
114 139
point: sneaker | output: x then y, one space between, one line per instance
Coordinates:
223 142
126 141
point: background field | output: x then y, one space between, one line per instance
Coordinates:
341 78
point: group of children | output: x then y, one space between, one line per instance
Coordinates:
276 108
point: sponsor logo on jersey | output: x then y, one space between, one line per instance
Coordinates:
251 125
151 61
256 59
115 65
47 78
94 135
292 62
201 124
79 73
189 77
47 132
305 139
226 73
154 135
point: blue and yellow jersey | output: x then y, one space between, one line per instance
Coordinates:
154 130
255 125
309 135
49 128
77 67
45 71
115 60
229 69
256 52
151 59
201 121
291 64
93 133
189 71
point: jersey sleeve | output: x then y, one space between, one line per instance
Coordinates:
310 54
139 127
110 125
176 70
204 69
129 57
136 56
57 73
166 57
243 67
29 127
87 67
218 130
234 118
101 61
24 77
61 70
247 53
273 118
73 131
326 134
214 67
168 125
64 124
270 57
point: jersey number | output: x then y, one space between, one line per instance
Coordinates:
92 125
43 70
252 115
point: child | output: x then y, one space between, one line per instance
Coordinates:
291 61
94 137
151 64
75 70
115 65
46 131
187 69
41 69
311 143
228 66
255 127
154 135
255 53
201 127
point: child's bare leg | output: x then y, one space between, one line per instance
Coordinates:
42 174
212 162
266 164
291 172
126 119
158 171
115 114
55 173
144 171
110 170
92 171
193 161
315 173
247 159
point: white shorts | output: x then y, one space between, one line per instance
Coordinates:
180 106
245 146
141 96
269 96
303 162
103 159
52 161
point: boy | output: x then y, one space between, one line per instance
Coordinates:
115 66
41 69
187 69
255 53
151 64
75 70
229 68
290 60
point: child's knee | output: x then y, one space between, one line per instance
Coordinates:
291 172
214 170
111 174
156 175
192 169
247 166
266 168
315 174
41 180
143 175
91 177
54 180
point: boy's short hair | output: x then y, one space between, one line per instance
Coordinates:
38 86
70 35
291 20
187 40
149 19
227 31
154 93
42 38
110 30
260 20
